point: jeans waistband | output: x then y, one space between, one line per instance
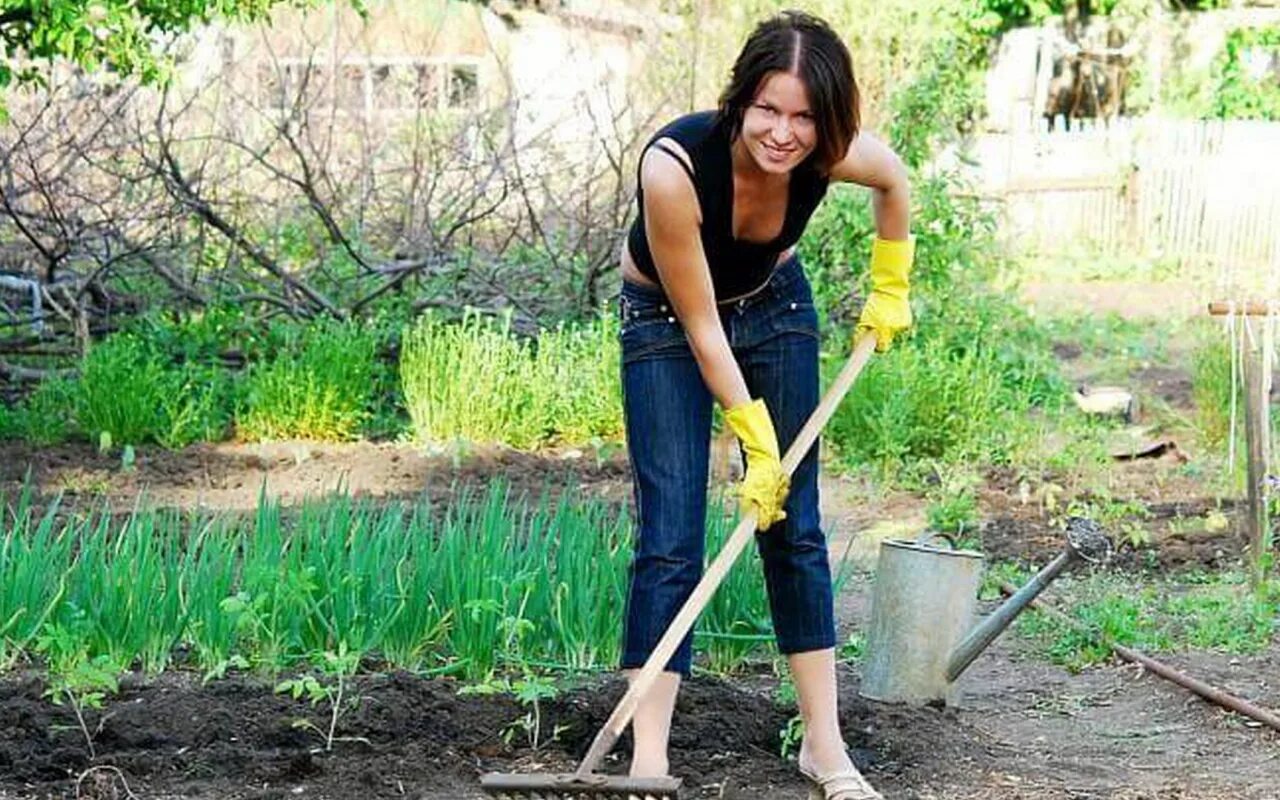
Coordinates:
783 276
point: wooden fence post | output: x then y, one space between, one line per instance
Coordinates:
1257 428
1257 432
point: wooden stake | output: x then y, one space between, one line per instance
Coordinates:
1257 427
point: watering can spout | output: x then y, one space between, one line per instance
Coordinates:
921 637
1085 542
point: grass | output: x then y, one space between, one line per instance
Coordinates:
1209 612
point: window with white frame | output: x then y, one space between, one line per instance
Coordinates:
374 85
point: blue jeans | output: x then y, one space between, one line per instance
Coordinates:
774 337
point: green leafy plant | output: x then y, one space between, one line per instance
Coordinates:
529 690
1245 92
337 667
791 737
80 682
322 384
117 36
46 416
130 392
854 649
953 507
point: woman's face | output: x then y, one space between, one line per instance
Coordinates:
778 128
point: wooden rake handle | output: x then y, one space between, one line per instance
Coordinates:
711 579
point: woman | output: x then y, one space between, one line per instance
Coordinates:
715 308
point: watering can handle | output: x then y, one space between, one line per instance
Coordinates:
929 536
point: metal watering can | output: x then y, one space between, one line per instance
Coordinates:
922 636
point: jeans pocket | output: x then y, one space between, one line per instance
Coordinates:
652 335
795 316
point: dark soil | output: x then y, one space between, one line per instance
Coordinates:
1175 513
237 739
1025 730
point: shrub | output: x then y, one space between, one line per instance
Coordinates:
320 385
475 380
132 391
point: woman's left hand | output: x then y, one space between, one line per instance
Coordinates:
887 311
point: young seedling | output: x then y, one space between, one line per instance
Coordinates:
76 680
529 691
791 734
337 666
790 738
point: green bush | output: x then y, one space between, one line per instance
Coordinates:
45 417
322 384
1242 95
475 380
135 393
927 402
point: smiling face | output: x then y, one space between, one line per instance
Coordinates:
778 128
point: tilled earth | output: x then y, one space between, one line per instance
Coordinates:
1024 731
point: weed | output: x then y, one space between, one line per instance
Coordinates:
854 650
1212 390
1208 615
134 393
791 737
47 416
953 508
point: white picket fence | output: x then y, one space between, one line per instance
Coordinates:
1205 194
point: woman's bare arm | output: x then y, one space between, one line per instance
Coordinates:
671 223
872 163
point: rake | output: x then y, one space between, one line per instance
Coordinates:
586 783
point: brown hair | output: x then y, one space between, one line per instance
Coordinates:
805 45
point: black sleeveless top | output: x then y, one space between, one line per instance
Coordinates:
738 267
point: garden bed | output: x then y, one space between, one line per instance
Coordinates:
1027 729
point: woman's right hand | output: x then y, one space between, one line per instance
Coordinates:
765 486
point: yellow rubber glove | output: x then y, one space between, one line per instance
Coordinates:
765 485
887 311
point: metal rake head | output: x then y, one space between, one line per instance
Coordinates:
511 786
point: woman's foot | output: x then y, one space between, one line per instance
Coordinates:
833 775
649 767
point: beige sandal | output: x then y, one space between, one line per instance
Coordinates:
848 785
